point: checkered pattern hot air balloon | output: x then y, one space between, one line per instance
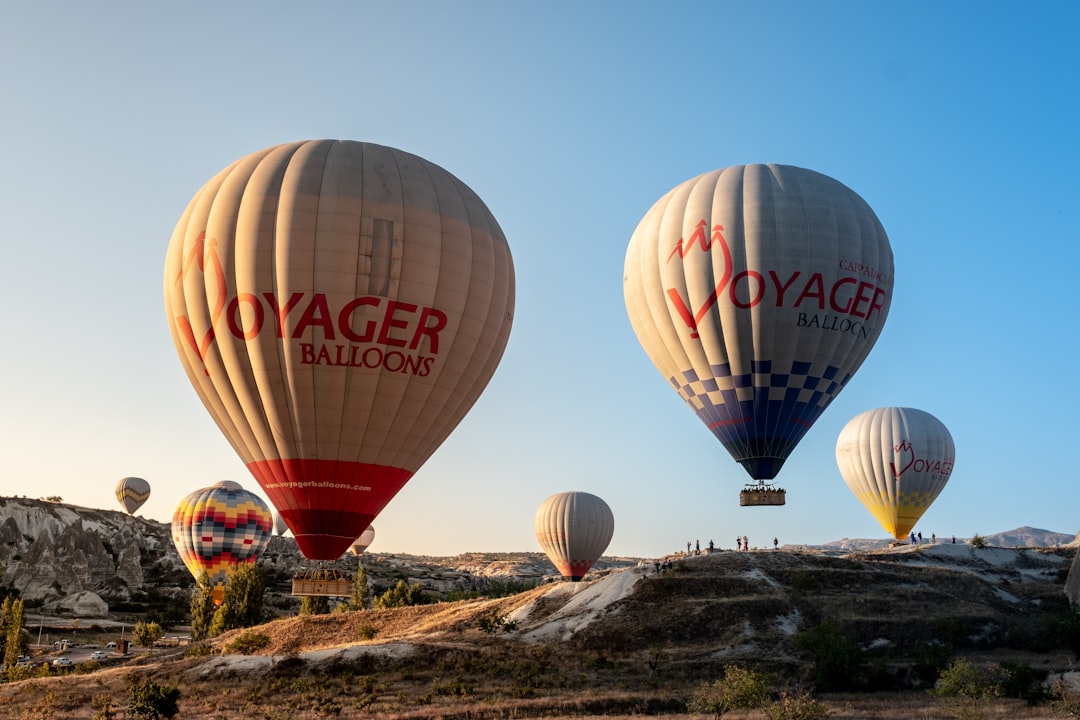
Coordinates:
219 527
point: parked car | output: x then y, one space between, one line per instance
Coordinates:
111 646
62 662
99 655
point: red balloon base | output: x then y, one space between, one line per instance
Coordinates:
327 504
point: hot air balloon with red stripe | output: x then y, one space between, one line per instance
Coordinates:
574 529
339 307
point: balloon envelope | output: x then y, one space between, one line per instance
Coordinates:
218 527
896 461
574 529
280 526
363 542
758 291
339 307
132 492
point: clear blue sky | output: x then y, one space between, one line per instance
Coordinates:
956 121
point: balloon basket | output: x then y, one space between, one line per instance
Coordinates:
323 582
762 494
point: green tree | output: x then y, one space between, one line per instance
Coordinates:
12 633
739 689
245 591
402 595
360 590
202 607
314 605
147 633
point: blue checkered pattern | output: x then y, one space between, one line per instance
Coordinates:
762 415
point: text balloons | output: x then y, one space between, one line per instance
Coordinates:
339 307
574 529
132 492
896 461
758 291
363 542
218 527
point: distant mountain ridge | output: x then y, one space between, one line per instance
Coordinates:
1021 537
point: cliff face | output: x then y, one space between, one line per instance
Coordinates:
56 554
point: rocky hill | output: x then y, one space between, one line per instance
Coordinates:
629 641
87 562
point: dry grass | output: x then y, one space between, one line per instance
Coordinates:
643 656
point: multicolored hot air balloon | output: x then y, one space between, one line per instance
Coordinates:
574 529
363 542
896 461
218 527
339 307
758 291
132 492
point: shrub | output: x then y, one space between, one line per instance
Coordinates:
964 689
838 662
738 689
148 699
795 707
367 631
492 622
248 642
978 541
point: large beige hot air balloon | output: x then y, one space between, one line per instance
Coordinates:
896 461
758 291
574 529
132 492
339 307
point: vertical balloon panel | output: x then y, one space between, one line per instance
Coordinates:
368 297
758 291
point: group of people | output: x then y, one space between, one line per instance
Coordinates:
916 538
743 543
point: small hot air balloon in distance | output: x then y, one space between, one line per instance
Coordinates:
896 461
363 542
280 527
758 291
132 492
574 529
218 527
339 307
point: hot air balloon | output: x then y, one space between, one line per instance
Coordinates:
218 527
280 526
132 492
574 529
363 542
339 307
758 291
896 461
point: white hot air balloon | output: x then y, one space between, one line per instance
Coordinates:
280 526
896 461
363 542
574 529
339 307
758 291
